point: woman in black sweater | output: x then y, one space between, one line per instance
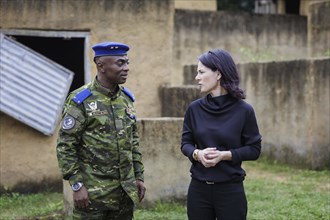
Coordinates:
219 132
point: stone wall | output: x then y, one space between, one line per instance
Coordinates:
249 37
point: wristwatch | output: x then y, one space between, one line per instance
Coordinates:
76 186
195 154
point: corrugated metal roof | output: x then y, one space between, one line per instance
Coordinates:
33 88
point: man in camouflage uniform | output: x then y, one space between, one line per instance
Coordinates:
98 146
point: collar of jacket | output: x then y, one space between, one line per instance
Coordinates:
98 87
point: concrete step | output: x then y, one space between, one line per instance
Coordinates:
175 99
189 74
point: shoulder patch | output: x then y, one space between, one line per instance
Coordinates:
81 96
129 94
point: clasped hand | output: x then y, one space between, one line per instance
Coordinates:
210 156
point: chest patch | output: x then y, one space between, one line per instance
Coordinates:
68 122
92 105
92 109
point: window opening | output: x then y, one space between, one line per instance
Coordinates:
68 52
292 6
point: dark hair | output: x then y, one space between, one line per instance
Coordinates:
221 60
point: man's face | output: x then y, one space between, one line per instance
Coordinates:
114 69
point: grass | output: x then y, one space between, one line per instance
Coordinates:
274 192
277 192
33 206
162 211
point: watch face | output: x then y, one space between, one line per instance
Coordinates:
76 186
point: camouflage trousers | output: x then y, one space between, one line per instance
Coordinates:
125 211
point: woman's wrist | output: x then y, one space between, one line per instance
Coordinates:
226 155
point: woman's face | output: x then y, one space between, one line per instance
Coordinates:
208 80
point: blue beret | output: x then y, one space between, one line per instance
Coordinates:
110 49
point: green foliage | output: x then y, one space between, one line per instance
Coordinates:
274 192
327 53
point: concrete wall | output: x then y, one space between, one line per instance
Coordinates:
292 104
27 157
291 100
249 37
319 29
147 26
207 5
175 99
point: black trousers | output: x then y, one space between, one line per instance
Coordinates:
221 201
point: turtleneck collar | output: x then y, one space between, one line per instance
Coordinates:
218 104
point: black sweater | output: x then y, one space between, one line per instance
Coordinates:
226 123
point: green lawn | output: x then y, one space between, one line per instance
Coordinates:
274 192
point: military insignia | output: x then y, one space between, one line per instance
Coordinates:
92 105
130 112
68 122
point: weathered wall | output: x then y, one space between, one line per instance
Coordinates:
292 104
248 37
291 100
26 155
146 26
207 5
175 99
319 29
166 168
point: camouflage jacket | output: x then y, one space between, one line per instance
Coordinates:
98 144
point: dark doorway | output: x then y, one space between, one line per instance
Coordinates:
68 52
292 6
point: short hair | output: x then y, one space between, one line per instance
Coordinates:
221 60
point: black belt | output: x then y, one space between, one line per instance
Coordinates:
209 182
206 181
213 183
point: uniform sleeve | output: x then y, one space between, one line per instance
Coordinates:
72 126
137 156
187 140
251 141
